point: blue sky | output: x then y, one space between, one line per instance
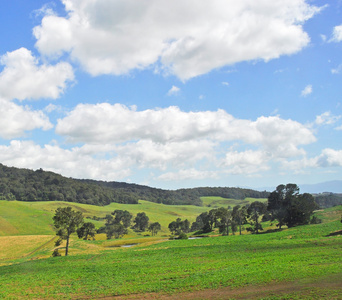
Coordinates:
173 94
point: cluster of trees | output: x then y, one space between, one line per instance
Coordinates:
28 185
67 221
225 219
118 222
284 205
326 200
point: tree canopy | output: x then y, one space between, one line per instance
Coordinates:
289 207
66 222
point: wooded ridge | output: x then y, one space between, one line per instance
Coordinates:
28 185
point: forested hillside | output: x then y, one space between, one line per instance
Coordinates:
326 200
40 185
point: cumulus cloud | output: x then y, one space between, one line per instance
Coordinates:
307 90
15 120
246 162
77 162
187 174
173 91
185 38
329 158
24 78
104 123
326 119
337 34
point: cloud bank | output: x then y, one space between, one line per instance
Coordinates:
184 38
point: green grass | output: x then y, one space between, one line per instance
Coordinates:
300 254
23 218
215 202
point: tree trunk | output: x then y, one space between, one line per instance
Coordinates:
67 246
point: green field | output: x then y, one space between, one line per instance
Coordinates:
298 263
215 202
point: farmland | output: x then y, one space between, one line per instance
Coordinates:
293 260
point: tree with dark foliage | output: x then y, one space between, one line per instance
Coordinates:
117 223
254 212
154 228
141 222
289 207
87 230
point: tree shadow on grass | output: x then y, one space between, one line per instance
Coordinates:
335 233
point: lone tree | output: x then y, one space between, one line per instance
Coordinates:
154 228
87 230
66 222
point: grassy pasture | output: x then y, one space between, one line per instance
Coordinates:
296 256
23 218
215 202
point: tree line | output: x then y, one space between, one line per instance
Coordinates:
28 185
285 205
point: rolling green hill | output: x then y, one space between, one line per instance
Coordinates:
303 262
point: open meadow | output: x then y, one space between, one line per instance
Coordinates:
303 262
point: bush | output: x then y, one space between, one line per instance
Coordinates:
55 253
182 236
315 220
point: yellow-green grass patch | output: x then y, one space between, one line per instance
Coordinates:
13 247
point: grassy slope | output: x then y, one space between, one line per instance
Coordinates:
30 218
215 202
26 227
301 254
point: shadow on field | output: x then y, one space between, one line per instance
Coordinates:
335 233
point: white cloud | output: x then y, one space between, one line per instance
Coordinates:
187 38
307 90
106 123
326 119
337 70
337 34
246 162
146 153
187 174
173 91
15 120
225 83
329 158
77 162
24 78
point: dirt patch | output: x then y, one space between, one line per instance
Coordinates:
328 288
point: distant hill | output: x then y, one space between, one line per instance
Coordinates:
323 187
28 185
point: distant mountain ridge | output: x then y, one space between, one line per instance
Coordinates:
334 186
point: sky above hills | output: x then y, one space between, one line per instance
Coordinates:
173 94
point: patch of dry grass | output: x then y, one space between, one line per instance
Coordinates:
14 247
